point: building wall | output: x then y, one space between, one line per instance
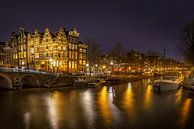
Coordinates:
82 52
59 52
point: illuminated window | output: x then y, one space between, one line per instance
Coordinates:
69 54
24 54
32 50
80 56
24 47
80 62
84 62
73 66
75 55
75 47
69 64
36 55
21 48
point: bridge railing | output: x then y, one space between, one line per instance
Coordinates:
22 71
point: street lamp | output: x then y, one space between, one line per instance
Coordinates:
111 63
87 65
96 69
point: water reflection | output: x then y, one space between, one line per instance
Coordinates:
56 108
130 105
179 95
104 107
52 110
88 108
148 97
185 111
128 101
27 118
148 94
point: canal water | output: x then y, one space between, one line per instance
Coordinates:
132 105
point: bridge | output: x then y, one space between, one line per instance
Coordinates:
19 80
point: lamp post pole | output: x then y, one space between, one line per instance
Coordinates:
111 63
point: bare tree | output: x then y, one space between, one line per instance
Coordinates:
117 53
93 53
186 47
153 58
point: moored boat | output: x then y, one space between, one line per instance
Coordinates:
90 83
168 82
80 83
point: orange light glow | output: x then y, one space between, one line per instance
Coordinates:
128 101
185 111
148 97
104 104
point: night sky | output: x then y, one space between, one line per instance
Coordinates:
138 24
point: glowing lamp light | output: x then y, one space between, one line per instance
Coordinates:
87 65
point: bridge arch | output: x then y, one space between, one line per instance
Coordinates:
29 80
5 82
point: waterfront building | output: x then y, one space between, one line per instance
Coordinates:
47 51
7 62
2 44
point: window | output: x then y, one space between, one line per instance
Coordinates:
32 50
75 47
24 47
36 55
75 55
80 56
80 62
21 48
69 46
24 54
69 54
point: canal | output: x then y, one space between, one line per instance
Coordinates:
132 105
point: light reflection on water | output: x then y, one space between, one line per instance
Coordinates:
130 105
104 106
52 103
27 118
148 97
185 111
128 101
179 95
88 107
